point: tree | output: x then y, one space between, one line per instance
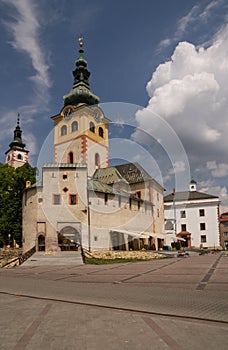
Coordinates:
12 185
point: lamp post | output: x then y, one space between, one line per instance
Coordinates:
88 216
174 212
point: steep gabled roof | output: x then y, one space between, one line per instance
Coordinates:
133 172
107 175
129 173
189 195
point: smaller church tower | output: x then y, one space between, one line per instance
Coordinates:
17 155
192 186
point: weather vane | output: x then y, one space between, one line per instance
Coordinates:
80 40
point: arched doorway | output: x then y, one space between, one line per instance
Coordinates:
69 239
186 243
41 243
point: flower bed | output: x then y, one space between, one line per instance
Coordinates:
120 256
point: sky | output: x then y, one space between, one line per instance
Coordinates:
160 69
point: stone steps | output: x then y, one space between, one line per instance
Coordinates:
55 258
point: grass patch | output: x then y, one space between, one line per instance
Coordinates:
100 261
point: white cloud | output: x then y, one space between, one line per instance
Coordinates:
197 18
186 20
206 13
25 30
190 92
220 191
218 170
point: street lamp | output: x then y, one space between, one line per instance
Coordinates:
174 212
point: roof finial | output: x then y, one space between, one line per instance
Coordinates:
18 119
80 40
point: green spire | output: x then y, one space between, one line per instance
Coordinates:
17 140
81 92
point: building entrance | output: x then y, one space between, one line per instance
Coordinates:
41 243
69 239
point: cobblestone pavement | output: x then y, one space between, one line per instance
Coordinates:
178 303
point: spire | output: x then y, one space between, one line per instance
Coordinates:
81 92
17 141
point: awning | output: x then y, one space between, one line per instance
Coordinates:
175 238
181 239
138 235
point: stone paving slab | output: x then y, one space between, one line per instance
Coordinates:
61 326
114 306
56 258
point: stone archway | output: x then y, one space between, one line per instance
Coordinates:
69 238
41 243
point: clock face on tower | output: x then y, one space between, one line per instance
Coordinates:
97 114
67 113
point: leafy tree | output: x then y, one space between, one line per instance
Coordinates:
12 185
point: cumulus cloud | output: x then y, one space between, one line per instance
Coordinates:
190 92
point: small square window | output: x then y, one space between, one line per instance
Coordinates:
64 176
203 238
202 226
73 199
40 200
56 199
183 214
201 212
183 227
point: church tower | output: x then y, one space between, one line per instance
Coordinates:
81 128
17 155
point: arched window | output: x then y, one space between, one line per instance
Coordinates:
97 160
63 130
91 127
19 156
101 132
74 126
70 158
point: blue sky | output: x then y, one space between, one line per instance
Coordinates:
169 57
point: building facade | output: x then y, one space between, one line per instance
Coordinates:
224 230
80 200
194 217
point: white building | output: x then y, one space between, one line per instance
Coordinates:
192 216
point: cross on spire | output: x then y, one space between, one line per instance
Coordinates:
80 40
